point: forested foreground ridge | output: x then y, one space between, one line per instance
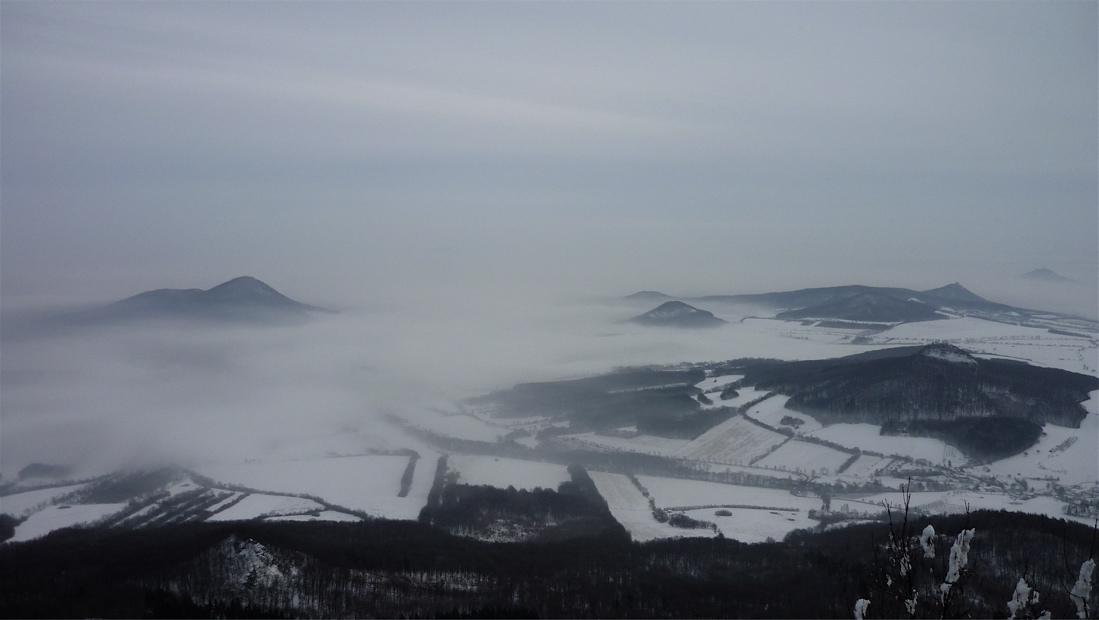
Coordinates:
402 569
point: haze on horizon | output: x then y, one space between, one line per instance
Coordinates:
356 151
466 182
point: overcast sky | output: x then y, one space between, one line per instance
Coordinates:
353 151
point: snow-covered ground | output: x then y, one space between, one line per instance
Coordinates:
958 501
22 504
644 444
773 410
1071 455
61 516
754 526
991 338
757 513
716 384
866 466
258 505
504 472
367 483
680 493
869 437
735 441
805 458
632 510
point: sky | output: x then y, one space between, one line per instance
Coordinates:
349 153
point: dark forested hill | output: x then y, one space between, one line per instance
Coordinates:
677 314
987 408
868 306
404 569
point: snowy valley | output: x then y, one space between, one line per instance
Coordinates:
693 446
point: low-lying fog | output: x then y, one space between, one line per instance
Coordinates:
107 396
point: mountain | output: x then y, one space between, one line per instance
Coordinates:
868 306
988 408
648 297
243 299
677 314
952 299
1047 275
806 297
955 292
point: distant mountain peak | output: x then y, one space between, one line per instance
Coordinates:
243 299
1046 275
678 314
246 289
956 292
649 296
869 305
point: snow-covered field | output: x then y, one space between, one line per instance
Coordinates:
367 483
773 410
716 384
735 441
867 466
1071 455
754 526
504 472
955 502
681 493
60 516
1038 346
632 510
645 444
258 505
869 437
22 504
757 513
805 458
744 396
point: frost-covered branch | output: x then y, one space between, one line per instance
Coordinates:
1022 598
861 606
1081 592
927 539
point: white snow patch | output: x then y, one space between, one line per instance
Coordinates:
735 441
1071 455
680 492
868 437
950 356
369 483
503 472
632 510
755 526
259 505
61 516
22 504
644 444
805 458
773 410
